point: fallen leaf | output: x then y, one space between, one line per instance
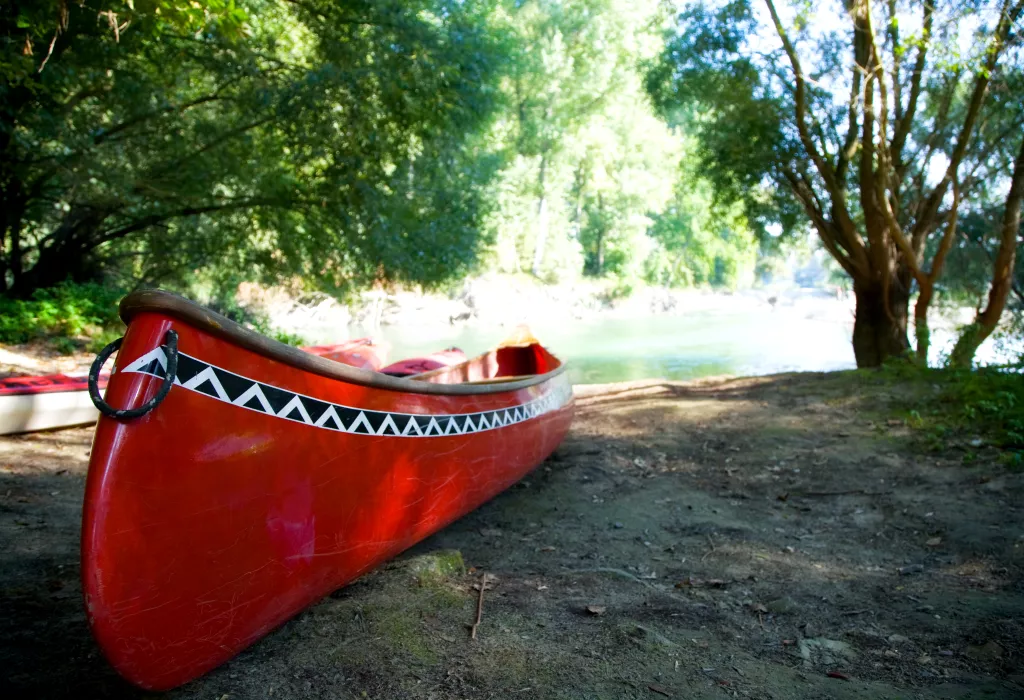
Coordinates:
596 609
660 690
546 549
934 542
759 607
837 674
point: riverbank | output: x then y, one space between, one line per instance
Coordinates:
784 537
677 334
498 300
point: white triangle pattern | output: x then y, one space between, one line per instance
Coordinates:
388 421
144 361
295 403
459 424
321 422
254 391
208 375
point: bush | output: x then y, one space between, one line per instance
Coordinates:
962 405
67 311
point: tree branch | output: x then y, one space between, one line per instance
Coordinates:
850 145
800 98
1008 17
905 121
947 238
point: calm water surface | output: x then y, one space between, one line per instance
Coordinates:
671 347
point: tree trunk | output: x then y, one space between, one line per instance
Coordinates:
52 269
66 256
922 333
1002 274
542 220
880 333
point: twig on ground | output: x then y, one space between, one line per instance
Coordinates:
479 606
711 543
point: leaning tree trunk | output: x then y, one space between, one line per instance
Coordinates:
880 323
1002 273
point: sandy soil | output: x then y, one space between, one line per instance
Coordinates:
39 358
779 537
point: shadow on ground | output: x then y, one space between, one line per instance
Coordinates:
771 538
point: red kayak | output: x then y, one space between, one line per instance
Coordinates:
235 480
43 403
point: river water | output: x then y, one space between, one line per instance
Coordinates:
739 341
699 344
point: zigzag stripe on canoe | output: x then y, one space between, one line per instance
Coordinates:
227 387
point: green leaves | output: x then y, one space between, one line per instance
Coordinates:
333 141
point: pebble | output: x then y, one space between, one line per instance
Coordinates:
781 606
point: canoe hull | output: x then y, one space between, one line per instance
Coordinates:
215 518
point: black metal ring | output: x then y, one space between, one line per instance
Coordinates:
171 351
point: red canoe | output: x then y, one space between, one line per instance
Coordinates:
267 477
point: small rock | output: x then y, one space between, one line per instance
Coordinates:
782 606
934 542
989 651
433 567
618 526
826 652
811 630
640 634
898 639
596 609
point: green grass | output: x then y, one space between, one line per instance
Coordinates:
973 408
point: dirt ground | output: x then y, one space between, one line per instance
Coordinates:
778 537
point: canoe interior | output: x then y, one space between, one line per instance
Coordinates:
510 363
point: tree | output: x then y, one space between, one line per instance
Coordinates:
701 242
588 162
1003 272
878 136
333 141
